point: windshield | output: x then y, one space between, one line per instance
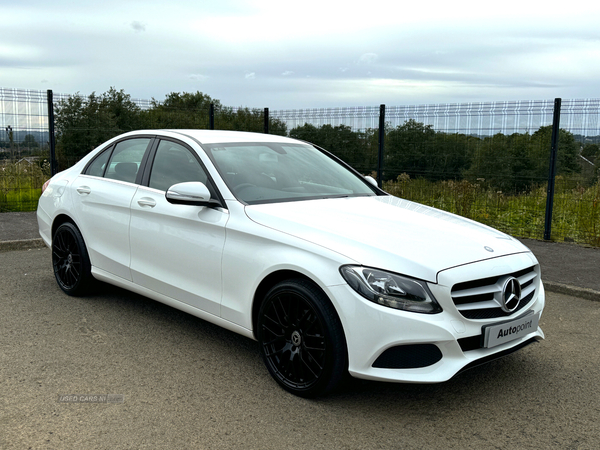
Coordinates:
271 172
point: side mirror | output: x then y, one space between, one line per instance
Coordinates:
190 193
371 180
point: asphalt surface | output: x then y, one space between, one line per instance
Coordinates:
566 268
181 383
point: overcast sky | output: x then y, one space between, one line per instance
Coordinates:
309 53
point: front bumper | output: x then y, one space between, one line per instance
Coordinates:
444 344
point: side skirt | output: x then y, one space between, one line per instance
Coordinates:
109 278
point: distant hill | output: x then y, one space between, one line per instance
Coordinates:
41 137
587 139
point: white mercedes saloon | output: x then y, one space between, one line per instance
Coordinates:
280 241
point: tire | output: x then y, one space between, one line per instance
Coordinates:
72 267
301 339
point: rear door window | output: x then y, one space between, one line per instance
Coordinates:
126 160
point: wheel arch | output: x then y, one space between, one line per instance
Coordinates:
271 280
59 220
329 364
70 258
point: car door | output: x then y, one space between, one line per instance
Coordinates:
102 199
176 250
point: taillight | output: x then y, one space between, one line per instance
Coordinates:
45 185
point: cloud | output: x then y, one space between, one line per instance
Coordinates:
368 58
137 26
449 54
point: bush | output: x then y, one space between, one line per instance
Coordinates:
576 214
21 184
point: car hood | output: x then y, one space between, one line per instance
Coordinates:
388 233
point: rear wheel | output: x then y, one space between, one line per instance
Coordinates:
301 339
72 268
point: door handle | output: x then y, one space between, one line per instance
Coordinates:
84 190
147 201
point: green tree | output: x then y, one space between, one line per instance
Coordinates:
451 155
503 162
406 147
191 110
83 123
354 148
119 105
591 172
181 110
520 161
591 152
307 132
567 155
492 163
419 151
247 119
29 141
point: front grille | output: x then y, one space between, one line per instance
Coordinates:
480 299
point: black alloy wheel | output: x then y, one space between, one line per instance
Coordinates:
301 339
70 259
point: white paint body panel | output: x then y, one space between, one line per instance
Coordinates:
402 236
176 250
103 210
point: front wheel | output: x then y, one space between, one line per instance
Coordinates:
301 339
72 268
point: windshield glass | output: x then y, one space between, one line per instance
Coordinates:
270 172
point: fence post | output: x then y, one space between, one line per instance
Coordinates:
266 120
381 139
211 116
51 140
552 169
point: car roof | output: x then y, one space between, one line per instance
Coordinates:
221 136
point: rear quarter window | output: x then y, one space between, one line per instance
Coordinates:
98 165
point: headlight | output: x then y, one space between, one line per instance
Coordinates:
390 289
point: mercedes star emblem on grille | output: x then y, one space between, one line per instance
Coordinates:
511 294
